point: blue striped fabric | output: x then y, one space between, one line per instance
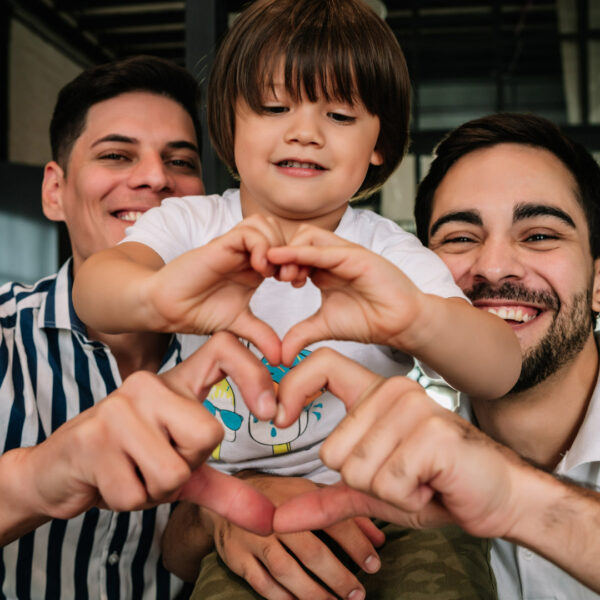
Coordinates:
49 372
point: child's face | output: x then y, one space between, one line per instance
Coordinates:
303 161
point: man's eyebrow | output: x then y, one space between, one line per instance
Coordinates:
531 209
124 139
115 137
183 144
465 216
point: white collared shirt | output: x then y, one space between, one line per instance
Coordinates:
523 574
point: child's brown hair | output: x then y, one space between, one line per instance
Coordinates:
338 48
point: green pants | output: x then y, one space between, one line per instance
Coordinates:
436 564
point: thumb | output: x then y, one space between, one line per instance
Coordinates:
311 329
231 498
250 327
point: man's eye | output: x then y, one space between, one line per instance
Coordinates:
183 163
274 110
458 239
113 156
540 237
341 118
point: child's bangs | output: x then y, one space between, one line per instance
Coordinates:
309 72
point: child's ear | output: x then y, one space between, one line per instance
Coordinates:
376 158
52 190
596 287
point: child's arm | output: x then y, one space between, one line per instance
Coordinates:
207 289
366 298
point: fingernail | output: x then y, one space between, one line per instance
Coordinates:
372 564
280 417
356 594
266 404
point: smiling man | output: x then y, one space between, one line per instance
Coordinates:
513 208
124 136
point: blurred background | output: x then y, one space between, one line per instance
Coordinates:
466 59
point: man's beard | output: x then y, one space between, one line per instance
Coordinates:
564 339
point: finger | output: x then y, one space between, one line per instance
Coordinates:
375 429
231 498
314 554
260 334
324 368
353 540
254 236
299 336
311 235
338 259
332 504
223 355
259 578
161 445
373 533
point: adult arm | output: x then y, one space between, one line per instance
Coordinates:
143 445
405 459
276 566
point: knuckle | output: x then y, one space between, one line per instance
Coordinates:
276 559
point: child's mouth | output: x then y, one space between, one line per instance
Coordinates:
299 165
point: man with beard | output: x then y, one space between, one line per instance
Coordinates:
513 208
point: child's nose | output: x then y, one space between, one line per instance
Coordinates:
304 128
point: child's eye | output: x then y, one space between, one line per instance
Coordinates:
341 118
274 110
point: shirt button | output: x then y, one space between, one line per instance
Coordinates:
527 554
113 559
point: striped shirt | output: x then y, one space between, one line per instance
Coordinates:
49 372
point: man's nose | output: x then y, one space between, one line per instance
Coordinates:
497 260
304 127
151 172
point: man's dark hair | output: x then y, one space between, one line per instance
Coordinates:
338 48
135 74
512 128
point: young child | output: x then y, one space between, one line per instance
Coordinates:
308 104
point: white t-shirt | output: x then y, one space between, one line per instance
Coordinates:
182 224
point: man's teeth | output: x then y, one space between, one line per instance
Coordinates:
299 165
510 314
130 215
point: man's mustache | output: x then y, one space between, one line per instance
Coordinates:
515 292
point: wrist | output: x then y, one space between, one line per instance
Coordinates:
415 337
21 506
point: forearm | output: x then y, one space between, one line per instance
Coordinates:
475 352
17 515
111 291
560 521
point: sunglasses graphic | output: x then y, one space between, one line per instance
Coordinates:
231 419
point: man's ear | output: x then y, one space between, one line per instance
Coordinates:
596 287
52 191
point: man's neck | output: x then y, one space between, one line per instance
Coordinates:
541 423
134 351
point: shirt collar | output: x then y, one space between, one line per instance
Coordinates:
586 446
56 310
